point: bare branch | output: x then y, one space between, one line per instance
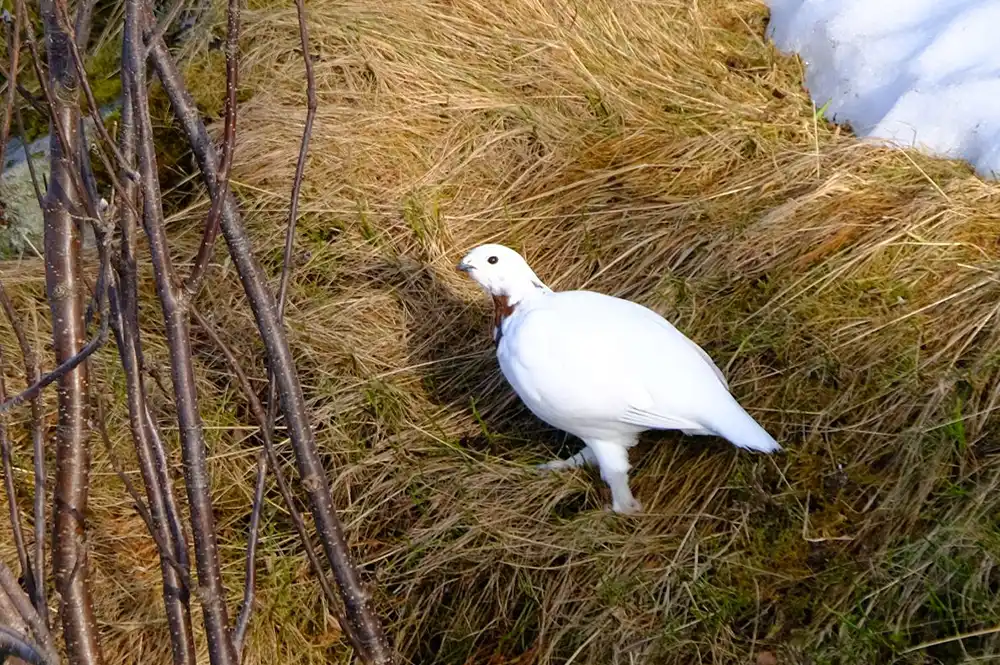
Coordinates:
286 263
300 167
66 367
65 295
14 55
362 621
162 471
175 311
267 427
92 107
164 24
207 247
257 409
8 481
12 620
21 603
27 156
38 451
84 21
68 135
165 526
243 620
32 100
162 546
18 646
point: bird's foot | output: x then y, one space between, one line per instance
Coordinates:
630 506
554 465
582 458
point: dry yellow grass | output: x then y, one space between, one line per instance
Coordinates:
656 150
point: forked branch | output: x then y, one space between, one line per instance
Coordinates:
173 301
211 231
163 521
362 621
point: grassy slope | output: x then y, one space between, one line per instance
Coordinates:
660 151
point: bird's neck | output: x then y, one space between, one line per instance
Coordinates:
506 303
521 291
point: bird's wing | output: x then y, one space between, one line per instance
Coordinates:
653 420
708 361
559 364
675 334
603 359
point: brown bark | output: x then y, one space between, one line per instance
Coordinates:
155 477
65 294
207 248
24 618
173 301
38 453
362 621
11 619
14 510
13 37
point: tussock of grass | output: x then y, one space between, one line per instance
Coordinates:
663 152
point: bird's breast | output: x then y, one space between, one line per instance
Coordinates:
502 310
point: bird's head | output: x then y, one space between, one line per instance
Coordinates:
501 272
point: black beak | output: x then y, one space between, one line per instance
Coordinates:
464 267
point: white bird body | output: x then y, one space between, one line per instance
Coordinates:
604 369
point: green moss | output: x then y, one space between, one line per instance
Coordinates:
104 72
386 403
205 75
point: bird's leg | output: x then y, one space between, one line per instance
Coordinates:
613 460
622 500
582 458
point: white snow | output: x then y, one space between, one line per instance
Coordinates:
920 73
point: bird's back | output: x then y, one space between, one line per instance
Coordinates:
585 360
603 355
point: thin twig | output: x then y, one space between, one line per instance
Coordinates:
164 24
286 264
65 368
26 95
257 409
363 626
13 55
243 620
311 106
166 525
207 247
27 156
300 167
162 469
31 372
138 503
174 304
8 481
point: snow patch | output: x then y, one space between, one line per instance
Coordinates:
920 73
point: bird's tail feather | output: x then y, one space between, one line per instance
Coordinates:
741 430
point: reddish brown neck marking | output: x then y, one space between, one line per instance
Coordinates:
501 310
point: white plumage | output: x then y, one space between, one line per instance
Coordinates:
603 369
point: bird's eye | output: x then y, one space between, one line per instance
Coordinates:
492 260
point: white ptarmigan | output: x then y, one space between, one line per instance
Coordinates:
603 369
